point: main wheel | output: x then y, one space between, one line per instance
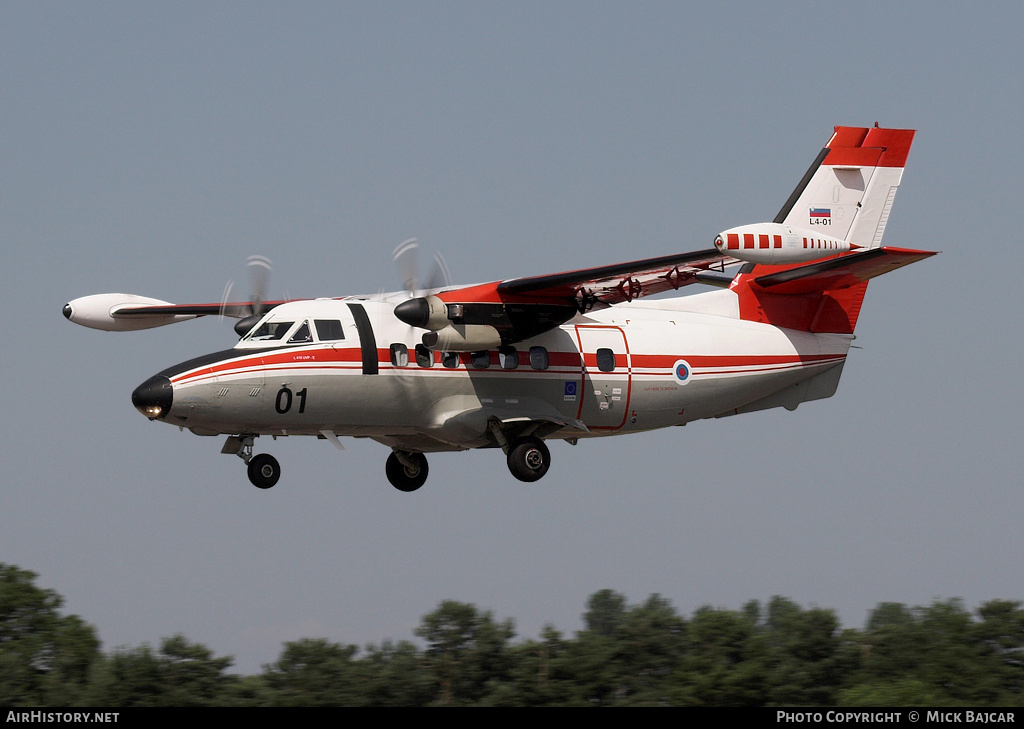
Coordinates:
407 478
529 459
264 470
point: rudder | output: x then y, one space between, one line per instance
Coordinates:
846 194
848 191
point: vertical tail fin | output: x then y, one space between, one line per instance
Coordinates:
848 191
846 195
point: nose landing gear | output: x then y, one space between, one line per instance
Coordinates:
406 471
264 470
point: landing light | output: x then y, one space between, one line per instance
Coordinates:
153 411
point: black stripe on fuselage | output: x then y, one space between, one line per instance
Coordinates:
367 342
212 358
781 217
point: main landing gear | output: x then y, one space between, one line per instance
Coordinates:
527 456
528 459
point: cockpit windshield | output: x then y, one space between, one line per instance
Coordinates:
305 323
269 331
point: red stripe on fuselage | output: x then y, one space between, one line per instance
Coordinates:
667 361
258 360
560 363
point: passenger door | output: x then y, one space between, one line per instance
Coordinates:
605 377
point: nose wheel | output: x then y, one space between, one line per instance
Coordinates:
264 471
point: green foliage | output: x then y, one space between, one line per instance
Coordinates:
467 650
606 610
396 675
726 662
627 655
807 660
939 655
314 672
179 674
45 658
1001 635
899 692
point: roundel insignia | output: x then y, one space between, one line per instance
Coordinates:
682 372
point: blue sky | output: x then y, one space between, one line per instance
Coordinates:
151 148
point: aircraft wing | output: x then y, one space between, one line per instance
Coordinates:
480 317
128 312
236 310
607 285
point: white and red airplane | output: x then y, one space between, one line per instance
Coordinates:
510 364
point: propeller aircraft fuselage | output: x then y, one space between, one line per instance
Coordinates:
567 356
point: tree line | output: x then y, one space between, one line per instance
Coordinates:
627 655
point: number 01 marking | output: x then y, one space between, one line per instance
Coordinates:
283 403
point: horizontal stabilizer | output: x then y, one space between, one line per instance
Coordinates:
839 273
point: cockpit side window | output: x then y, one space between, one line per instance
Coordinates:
328 330
302 335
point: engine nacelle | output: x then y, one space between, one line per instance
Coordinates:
777 243
425 312
463 338
100 312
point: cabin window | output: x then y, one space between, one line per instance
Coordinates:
328 330
399 355
302 335
508 358
424 356
481 360
270 331
450 359
539 358
605 360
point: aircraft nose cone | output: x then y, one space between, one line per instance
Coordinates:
67 311
153 397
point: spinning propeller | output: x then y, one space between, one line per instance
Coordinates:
423 309
259 275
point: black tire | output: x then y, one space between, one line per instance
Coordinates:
529 459
264 471
405 478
